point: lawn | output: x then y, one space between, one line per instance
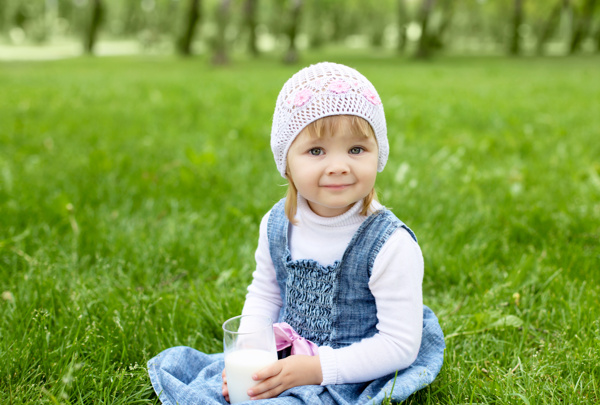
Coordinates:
131 190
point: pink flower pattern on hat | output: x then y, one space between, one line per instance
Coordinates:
302 97
372 96
339 86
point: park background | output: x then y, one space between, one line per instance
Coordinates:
135 168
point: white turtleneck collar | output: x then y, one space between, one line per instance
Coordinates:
348 218
324 239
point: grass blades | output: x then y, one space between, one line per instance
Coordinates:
131 190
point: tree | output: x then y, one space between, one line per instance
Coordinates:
220 54
93 26
184 43
597 38
403 21
20 17
3 8
291 56
424 47
549 27
373 20
515 40
583 23
132 21
437 37
250 7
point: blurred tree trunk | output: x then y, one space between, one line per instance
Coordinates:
250 7
291 56
336 20
437 38
132 18
92 29
424 47
583 23
551 24
184 44
220 56
515 39
402 25
2 15
377 34
319 36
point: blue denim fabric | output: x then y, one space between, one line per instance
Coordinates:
328 305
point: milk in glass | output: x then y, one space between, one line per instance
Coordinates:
249 345
240 365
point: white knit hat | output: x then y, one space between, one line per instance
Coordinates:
319 91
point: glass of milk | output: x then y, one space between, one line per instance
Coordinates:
249 345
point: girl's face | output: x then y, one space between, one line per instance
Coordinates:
334 171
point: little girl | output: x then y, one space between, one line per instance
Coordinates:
332 263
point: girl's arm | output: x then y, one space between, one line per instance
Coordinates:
263 295
396 284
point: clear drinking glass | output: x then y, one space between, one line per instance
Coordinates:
249 345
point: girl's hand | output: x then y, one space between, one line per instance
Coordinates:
284 374
224 387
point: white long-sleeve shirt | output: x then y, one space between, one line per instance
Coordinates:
395 282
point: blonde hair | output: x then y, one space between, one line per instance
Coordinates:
316 129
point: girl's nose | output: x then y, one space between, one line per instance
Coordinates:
337 165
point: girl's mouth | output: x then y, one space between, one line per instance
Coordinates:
336 186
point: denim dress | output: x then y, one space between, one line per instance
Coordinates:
328 305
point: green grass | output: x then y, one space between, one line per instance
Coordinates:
131 190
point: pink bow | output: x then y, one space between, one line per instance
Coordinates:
286 336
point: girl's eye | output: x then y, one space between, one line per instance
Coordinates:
316 151
356 150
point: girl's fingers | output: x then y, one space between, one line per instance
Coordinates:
268 372
268 381
224 388
263 387
265 390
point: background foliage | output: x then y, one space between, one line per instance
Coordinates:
465 26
